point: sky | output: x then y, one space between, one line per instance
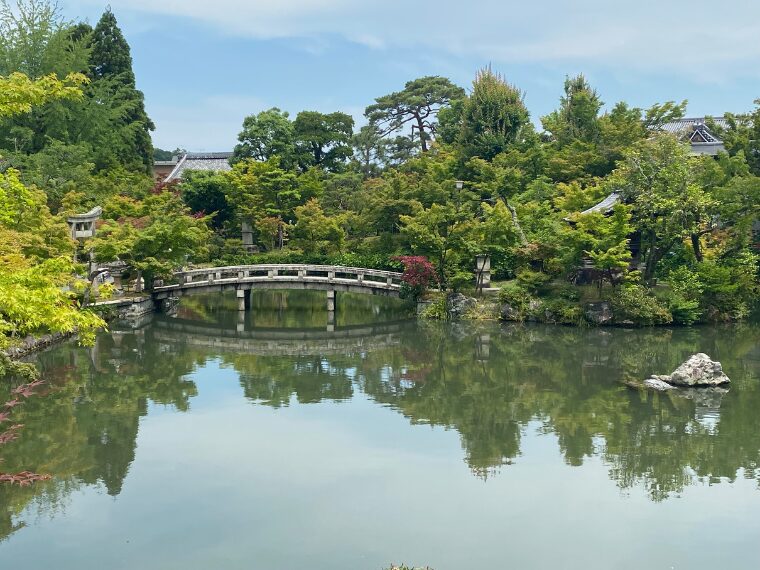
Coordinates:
206 64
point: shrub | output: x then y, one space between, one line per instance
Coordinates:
418 275
635 304
684 311
531 280
518 299
561 311
727 290
436 309
514 295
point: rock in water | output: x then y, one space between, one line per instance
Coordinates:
698 370
657 384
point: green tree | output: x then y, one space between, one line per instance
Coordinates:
577 118
26 225
657 179
492 117
603 240
111 68
18 93
315 232
442 232
264 190
158 239
39 298
206 193
323 140
418 104
267 135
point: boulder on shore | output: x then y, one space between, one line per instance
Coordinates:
457 305
599 313
698 371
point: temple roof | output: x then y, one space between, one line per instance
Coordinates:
695 132
211 161
605 206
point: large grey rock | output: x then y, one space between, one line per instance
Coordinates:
457 305
599 313
699 370
510 313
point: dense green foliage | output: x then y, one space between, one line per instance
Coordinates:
438 171
678 216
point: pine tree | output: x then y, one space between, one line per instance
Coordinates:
111 69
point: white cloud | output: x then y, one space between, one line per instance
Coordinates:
682 36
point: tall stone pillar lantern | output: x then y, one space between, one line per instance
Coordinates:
83 226
482 272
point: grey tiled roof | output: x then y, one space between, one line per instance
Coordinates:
605 206
695 132
211 161
687 126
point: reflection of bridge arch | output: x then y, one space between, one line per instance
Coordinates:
244 278
281 342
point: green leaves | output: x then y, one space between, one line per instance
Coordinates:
19 93
158 238
418 104
38 298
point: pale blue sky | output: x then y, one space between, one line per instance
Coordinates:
205 64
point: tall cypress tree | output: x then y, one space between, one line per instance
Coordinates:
111 70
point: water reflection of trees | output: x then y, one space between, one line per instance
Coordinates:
489 383
83 431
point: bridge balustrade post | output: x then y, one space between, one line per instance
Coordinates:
301 273
389 281
360 277
210 278
272 273
241 275
187 278
219 275
331 275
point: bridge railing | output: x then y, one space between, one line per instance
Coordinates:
291 272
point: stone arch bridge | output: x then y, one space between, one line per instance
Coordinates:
245 278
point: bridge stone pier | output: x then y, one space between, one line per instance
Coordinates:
243 279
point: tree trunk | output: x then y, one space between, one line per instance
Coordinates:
516 222
697 247
421 128
280 236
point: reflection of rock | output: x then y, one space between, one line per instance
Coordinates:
709 398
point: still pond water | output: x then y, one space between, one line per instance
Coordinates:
204 442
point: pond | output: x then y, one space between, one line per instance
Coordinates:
272 440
